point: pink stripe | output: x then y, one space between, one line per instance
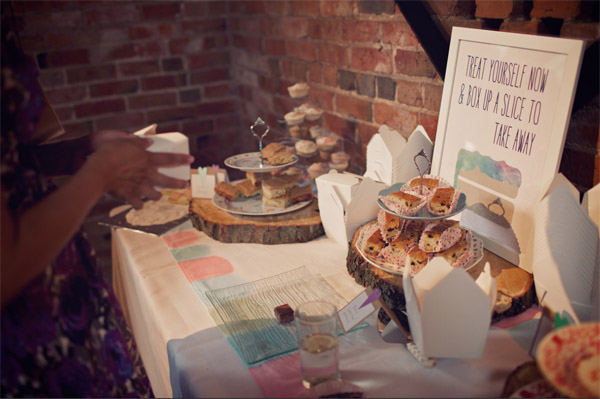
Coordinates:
280 377
181 239
203 268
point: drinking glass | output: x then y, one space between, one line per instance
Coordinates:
317 333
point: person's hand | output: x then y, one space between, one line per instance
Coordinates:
102 136
130 172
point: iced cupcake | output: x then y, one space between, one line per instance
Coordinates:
294 117
295 131
313 114
339 166
317 169
306 148
340 156
326 143
298 90
318 131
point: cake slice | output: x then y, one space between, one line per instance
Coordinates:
299 194
274 188
227 191
452 254
271 149
391 225
441 201
434 238
404 200
279 202
248 189
416 260
397 249
428 182
374 244
281 158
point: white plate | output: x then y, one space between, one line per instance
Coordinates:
560 351
423 214
385 265
250 162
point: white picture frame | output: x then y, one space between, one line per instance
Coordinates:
504 114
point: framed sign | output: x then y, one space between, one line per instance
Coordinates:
504 114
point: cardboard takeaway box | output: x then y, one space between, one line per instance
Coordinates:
449 313
346 201
390 157
173 142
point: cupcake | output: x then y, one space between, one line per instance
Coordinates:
326 143
317 131
312 114
298 90
305 107
317 169
292 171
294 117
295 131
305 148
340 156
339 166
324 155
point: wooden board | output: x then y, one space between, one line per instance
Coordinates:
511 281
297 226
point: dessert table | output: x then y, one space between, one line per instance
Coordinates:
161 284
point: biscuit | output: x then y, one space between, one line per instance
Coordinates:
227 190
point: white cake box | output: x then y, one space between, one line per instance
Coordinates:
449 313
174 143
390 157
346 201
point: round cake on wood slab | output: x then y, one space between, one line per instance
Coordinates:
297 226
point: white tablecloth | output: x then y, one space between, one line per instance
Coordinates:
163 310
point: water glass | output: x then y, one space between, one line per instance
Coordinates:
317 333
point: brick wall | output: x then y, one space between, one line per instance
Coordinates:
209 68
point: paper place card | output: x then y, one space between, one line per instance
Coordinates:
204 179
358 309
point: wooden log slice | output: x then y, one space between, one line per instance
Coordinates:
297 226
515 286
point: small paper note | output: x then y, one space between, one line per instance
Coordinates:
356 311
203 188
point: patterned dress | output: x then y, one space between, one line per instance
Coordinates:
64 335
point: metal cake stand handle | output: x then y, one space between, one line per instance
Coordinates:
265 129
423 154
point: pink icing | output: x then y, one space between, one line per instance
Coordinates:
203 268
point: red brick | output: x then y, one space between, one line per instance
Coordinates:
34 43
187 45
165 29
555 9
526 27
152 48
580 30
198 61
123 12
66 94
414 63
372 60
160 10
343 127
59 40
289 27
268 83
433 96
139 68
398 33
275 47
429 123
366 132
145 101
248 6
195 9
498 9
215 108
301 49
360 31
334 54
106 53
328 29
113 88
251 25
276 8
305 7
355 107
128 121
315 73
253 44
453 8
42 5
200 26
142 32
337 8
87 37
51 78
99 108
78 128
218 90
330 77
172 113
287 68
91 73
163 82
210 75
198 127
50 20
395 117
320 98
409 92
68 58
